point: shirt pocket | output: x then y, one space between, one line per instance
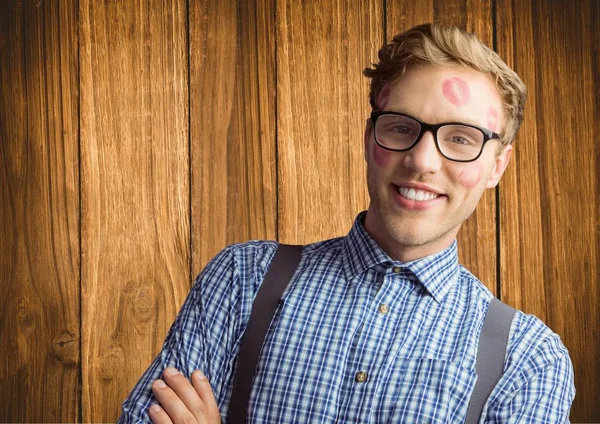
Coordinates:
429 391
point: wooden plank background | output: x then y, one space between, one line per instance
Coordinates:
232 109
137 140
321 114
549 200
135 220
39 214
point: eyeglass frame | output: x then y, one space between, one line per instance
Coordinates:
433 128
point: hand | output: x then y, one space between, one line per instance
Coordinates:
182 402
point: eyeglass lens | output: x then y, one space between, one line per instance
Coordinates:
455 141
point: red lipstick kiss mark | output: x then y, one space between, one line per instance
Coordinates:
471 176
383 97
492 116
456 91
381 156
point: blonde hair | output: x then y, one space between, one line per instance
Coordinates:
448 45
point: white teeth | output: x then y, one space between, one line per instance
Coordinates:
418 195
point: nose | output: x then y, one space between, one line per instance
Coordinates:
424 157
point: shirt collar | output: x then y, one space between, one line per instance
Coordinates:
437 273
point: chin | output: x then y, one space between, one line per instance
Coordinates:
413 237
407 232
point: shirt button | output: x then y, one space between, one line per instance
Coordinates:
397 270
384 309
361 377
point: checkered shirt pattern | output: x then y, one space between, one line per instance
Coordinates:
359 338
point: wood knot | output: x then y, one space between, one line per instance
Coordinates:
27 318
111 363
65 347
144 303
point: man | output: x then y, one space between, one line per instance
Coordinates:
381 325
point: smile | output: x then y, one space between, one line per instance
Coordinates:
418 195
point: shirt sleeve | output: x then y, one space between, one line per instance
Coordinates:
191 339
538 383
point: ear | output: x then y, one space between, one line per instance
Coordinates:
500 165
368 127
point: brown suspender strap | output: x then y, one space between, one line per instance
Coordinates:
490 356
490 352
265 304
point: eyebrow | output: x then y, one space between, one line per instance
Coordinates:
458 121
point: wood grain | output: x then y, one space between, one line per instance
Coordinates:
232 109
134 191
550 205
39 194
322 101
477 237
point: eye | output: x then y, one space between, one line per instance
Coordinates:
459 139
402 129
460 136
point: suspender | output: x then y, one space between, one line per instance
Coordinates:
278 276
490 353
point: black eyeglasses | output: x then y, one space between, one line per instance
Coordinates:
455 141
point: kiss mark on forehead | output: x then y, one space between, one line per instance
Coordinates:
383 97
456 91
492 118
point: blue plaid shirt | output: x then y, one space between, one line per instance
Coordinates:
360 338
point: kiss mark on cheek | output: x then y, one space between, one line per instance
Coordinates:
471 175
383 97
492 118
381 156
456 91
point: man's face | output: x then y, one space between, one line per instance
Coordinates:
407 228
